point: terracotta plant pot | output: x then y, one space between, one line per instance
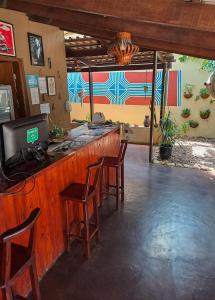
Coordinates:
205 96
188 96
193 125
205 117
185 115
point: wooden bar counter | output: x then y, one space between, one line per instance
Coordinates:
51 178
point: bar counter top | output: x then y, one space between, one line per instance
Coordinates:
76 140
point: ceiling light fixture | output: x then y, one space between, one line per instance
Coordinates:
123 49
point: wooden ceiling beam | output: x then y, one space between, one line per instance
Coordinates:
160 32
151 36
143 42
118 68
176 12
83 53
191 39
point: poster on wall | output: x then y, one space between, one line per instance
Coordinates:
42 85
36 49
7 45
45 108
33 84
35 97
32 80
51 85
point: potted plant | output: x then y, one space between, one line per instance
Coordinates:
169 131
205 114
188 91
193 124
58 133
204 93
185 112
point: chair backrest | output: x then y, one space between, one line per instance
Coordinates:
122 150
93 175
7 237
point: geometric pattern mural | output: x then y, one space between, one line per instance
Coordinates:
124 88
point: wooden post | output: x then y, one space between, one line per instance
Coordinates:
91 94
153 106
164 87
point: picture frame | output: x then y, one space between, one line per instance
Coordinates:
51 84
7 42
35 43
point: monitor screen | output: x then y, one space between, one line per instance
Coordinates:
23 133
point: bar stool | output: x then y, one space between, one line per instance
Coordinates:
79 193
117 163
15 258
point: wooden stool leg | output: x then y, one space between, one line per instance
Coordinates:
96 216
34 282
86 231
108 179
101 188
7 293
117 188
122 183
67 227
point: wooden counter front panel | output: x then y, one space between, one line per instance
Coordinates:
49 183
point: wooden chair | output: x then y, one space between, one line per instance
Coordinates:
81 194
15 258
118 164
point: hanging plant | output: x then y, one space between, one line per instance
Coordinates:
185 112
204 93
205 114
193 124
188 91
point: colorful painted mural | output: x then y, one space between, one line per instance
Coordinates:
123 88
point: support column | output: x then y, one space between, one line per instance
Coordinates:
91 94
153 106
164 87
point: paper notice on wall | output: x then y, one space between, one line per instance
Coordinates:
45 108
42 85
35 98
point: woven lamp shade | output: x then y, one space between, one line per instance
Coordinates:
123 49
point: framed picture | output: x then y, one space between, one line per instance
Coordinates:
51 85
36 49
7 44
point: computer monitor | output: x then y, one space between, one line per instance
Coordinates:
22 134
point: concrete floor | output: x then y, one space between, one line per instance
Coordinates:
159 245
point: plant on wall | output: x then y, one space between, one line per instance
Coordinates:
205 114
188 91
193 124
186 112
204 93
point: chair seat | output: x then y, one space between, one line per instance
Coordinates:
75 192
19 257
111 161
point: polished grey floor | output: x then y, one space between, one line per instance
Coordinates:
159 245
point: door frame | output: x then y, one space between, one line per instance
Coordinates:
21 72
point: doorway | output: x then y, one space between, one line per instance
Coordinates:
12 73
